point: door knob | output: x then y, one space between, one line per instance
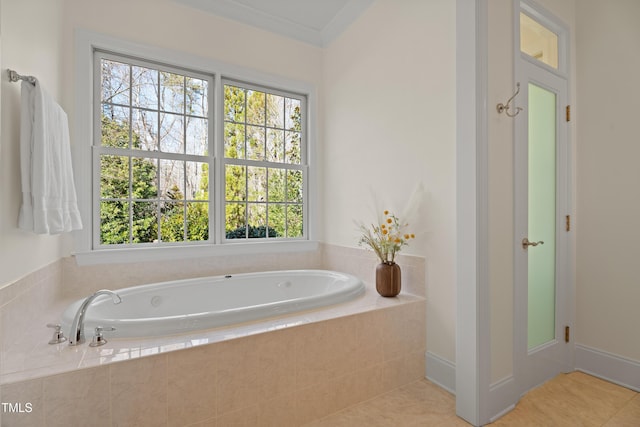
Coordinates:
526 243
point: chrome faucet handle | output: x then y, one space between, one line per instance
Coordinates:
58 335
98 338
76 335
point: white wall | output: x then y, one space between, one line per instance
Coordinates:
38 39
389 125
31 44
168 24
608 290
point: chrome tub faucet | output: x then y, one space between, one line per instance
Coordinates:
76 336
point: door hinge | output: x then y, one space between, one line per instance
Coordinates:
568 113
568 223
567 334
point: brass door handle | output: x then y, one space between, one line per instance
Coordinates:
526 243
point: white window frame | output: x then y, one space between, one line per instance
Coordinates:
303 166
98 149
550 22
85 249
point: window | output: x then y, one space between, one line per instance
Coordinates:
264 173
155 159
543 39
152 150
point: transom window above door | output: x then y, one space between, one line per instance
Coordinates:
538 41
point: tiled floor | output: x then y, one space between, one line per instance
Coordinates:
418 404
574 399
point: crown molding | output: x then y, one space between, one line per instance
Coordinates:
274 23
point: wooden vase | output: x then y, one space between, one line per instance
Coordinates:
388 279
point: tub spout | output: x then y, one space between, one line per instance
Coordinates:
76 336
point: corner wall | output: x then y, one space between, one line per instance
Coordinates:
43 45
389 126
608 176
31 45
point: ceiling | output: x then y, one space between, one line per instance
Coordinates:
316 22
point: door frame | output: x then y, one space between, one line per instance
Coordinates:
477 400
473 352
527 70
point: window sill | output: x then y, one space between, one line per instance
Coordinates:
127 255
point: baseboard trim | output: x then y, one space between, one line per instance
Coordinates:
608 366
441 372
503 397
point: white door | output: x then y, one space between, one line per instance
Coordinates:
543 301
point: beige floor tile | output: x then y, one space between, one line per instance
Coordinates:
628 416
207 423
574 399
418 404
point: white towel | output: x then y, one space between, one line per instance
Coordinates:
49 202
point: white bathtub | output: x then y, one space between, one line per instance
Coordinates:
185 305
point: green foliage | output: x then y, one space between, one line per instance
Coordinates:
145 222
257 126
114 222
114 185
197 221
254 232
246 113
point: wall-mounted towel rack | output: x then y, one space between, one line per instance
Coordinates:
14 77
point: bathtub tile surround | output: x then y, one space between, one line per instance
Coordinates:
250 370
86 279
139 392
263 379
78 398
191 390
26 391
362 263
22 304
306 367
23 300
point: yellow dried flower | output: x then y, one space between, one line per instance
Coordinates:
386 239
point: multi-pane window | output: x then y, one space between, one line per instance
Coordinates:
264 170
153 153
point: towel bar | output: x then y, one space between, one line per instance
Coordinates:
14 77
